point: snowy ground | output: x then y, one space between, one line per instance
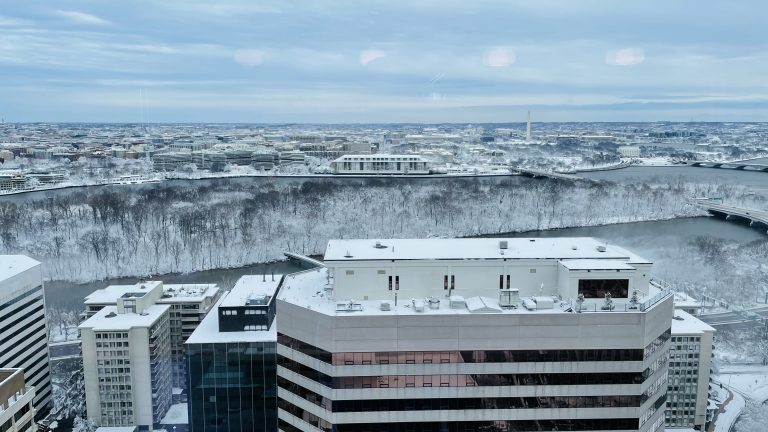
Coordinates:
177 414
732 410
750 381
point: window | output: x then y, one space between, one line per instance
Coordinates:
453 282
445 282
501 281
397 283
390 283
597 288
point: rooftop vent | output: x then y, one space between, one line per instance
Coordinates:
110 315
503 244
531 240
574 247
679 318
380 246
601 248
385 305
348 255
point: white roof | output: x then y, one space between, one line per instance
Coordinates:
595 264
123 321
208 331
686 324
307 289
178 292
251 286
684 300
476 248
11 265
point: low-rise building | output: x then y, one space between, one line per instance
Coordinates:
17 414
380 164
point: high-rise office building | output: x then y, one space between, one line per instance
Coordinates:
16 410
232 377
23 329
189 304
127 362
690 364
473 334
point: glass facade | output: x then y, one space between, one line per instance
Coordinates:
598 288
233 387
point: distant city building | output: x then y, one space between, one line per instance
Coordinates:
189 304
473 335
690 364
23 328
629 151
127 362
380 164
232 361
16 410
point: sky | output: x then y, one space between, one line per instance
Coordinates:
421 61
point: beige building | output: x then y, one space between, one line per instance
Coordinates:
16 410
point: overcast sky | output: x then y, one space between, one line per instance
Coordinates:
383 61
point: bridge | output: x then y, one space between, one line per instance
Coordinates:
752 215
746 166
538 173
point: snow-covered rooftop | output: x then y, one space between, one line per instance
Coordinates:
172 293
684 300
107 319
251 287
308 289
595 264
208 331
687 324
476 248
11 265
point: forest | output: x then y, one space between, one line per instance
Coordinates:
101 232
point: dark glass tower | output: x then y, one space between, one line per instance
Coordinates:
232 361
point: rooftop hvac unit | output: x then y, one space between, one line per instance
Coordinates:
529 304
433 303
601 248
418 305
509 297
457 302
385 305
544 302
503 244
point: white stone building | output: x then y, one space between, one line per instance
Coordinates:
629 151
473 334
380 164
23 328
127 363
690 364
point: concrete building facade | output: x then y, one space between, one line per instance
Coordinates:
127 363
473 334
380 164
189 303
23 328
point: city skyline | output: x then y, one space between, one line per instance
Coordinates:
331 62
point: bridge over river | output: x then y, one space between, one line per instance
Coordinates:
747 166
752 215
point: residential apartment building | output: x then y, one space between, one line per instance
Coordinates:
473 335
17 414
690 365
189 303
23 328
232 361
127 362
